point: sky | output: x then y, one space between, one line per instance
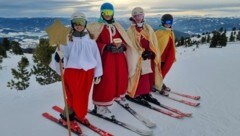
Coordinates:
123 8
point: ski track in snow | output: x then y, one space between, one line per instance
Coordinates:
211 73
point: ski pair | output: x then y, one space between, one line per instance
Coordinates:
138 116
122 124
73 126
194 104
146 104
88 125
171 109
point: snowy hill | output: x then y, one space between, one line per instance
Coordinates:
28 30
211 73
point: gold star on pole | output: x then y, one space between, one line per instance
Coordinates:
57 33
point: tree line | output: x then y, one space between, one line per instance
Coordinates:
216 38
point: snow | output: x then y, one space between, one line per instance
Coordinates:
211 73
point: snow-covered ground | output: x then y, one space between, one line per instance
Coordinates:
212 73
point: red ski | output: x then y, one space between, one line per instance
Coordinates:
90 126
186 95
194 104
74 126
166 112
176 110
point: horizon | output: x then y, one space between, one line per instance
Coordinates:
123 8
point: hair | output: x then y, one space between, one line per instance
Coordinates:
70 35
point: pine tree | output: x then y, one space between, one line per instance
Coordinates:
42 57
182 41
221 30
0 62
238 36
21 75
234 29
232 37
208 38
3 52
16 49
203 40
6 44
223 40
215 40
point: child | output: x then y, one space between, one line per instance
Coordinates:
166 45
114 45
144 39
82 63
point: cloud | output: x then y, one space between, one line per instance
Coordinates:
64 8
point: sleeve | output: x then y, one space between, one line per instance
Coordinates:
98 69
100 45
55 65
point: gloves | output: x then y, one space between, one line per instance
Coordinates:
114 49
58 56
148 55
122 48
97 80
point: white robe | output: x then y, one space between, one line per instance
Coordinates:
81 53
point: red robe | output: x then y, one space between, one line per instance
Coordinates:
78 85
114 81
168 57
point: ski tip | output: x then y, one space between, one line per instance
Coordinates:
45 114
146 133
152 125
197 104
188 114
197 98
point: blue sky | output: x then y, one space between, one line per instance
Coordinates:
64 8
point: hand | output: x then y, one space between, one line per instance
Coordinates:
148 55
58 56
112 48
122 48
97 80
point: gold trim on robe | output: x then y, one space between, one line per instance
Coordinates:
133 55
148 34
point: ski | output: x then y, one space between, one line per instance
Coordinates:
171 109
122 124
74 127
186 95
168 113
138 116
194 104
175 110
90 126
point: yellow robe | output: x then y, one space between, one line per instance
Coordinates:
148 34
163 37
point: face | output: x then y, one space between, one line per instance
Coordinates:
79 24
107 17
167 25
138 18
78 27
107 14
